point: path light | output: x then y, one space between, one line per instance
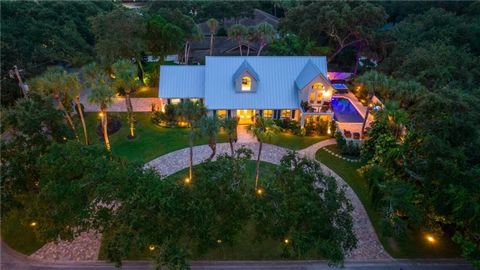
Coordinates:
286 241
187 181
430 239
33 224
151 247
259 191
100 114
219 241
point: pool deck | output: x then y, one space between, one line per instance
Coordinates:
354 127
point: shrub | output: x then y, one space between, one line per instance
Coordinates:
351 148
167 118
341 142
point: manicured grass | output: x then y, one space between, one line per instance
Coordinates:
151 141
414 245
246 246
146 92
295 142
18 235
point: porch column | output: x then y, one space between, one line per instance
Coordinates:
302 120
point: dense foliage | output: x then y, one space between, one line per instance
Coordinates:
38 34
307 209
422 155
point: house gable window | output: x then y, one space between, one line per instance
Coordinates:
245 79
246 83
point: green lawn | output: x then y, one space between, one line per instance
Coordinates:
412 246
295 142
19 236
146 92
245 248
151 141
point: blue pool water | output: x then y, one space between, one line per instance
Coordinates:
344 111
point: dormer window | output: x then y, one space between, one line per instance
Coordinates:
245 79
246 83
317 86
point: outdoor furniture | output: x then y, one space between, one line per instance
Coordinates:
356 136
347 133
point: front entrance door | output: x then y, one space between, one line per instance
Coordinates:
246 116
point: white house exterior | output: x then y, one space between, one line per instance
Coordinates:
269 86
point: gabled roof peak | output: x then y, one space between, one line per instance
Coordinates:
245 66
308 73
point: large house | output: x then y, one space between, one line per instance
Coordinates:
278 87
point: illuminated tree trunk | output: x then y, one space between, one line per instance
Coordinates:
67 116
104 123
131 119
82 119
190 141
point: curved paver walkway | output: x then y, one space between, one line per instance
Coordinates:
369 247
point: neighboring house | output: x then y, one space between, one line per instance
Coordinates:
269 86
224 46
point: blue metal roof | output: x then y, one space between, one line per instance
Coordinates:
276 88
245 67
182 82
308 73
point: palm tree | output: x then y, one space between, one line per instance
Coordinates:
101 94
237 32
265 33
194 35
126 83
191 112
212 25
210 126
263 129
395 117
251 38
230 127
57 82
75 87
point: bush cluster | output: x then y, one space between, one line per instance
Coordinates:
168 118
347 148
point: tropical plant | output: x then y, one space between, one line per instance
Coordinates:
191 112
194 35
263 129
230 127
62 87
299 197
266 34
126 83
212 25
251 37
210 126
237 32
28 128
102 93
119 34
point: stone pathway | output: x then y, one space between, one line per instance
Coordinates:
244 136
369 247
86 246
118 104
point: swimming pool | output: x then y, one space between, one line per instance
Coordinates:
344 111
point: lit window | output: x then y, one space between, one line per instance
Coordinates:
175 101
246 83
286 113
317 86
311 97
267 113
222 114
319 97
194 99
